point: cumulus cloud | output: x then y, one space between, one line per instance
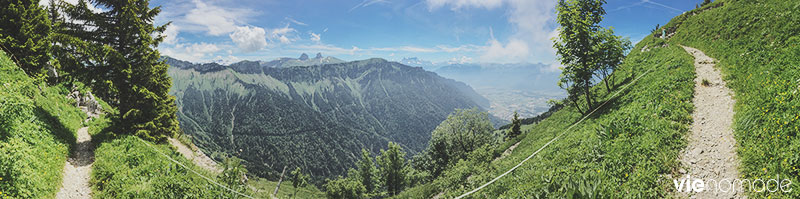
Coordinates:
171 34
249 39
284 35
215 20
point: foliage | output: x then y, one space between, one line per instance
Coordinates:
126 67
585 49
233 175
344 188
36 132
515 124
755 45
24 34
367 173
393 168
576 44
462 132
298 180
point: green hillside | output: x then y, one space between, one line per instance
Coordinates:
315 117
37 125
629 148
757 44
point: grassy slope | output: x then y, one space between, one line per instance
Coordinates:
36 131
127 168
623 151
757 44
644 130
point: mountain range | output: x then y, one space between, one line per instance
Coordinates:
314 113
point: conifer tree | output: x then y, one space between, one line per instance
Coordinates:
515 126
367 171
124 65
24 34
393 168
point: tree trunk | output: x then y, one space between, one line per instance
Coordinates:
588 95
279 182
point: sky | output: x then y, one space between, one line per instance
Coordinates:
474 31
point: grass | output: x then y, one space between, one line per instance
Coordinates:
37 129
757 45
625 150
266 188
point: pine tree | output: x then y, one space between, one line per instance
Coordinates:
24 34
393 168
125 66
515 126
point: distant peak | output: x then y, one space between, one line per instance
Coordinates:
304 57
319 56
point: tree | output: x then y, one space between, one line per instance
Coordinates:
578 20
298 180
463 131
610 52
125 66
344 188
705 2
515 126
24 34
367 171
393 168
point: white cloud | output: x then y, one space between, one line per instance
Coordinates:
315 37
249 39
171 34
285 35
215 20
195 52
295 21
460 4
366 3
533 23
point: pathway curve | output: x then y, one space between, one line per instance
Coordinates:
711 151
77 169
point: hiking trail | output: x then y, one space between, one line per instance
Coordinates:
711 150
195 155
76 171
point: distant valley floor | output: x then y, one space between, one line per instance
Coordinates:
527 103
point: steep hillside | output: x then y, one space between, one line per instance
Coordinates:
37 125
315 117
757 45
629 148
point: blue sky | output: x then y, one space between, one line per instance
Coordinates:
498 31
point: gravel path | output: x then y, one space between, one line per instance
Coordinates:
711 152
199 158
77 169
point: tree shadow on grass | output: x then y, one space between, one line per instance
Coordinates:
62 134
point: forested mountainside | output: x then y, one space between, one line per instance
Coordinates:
315 117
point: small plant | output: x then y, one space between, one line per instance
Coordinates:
705 82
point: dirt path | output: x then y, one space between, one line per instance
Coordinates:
198 157
711 152
76 172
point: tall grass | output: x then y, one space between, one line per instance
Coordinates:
37 129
